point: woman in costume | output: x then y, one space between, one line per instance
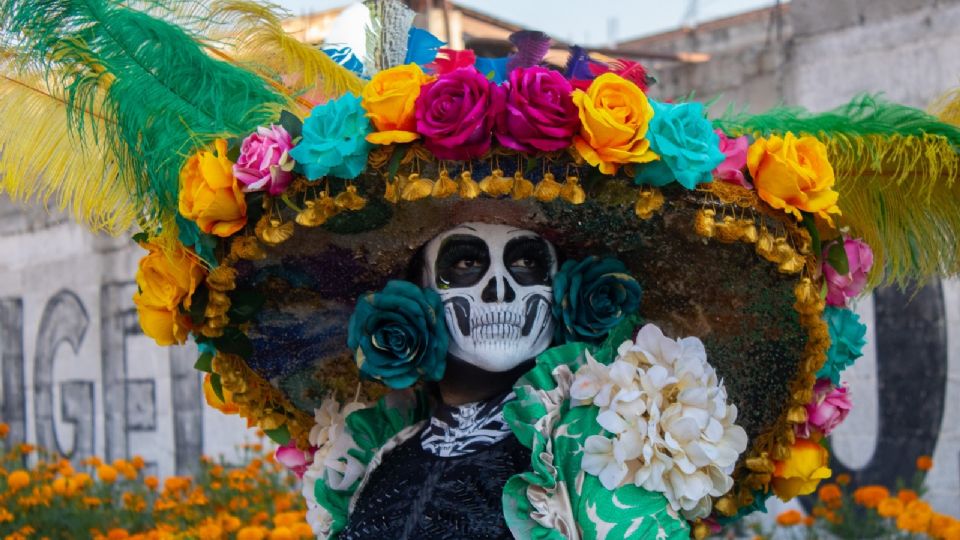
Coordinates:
467 240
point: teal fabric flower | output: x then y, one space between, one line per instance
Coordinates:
398 335
688 147
592 296
846 342
334 140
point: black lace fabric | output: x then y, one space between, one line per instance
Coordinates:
414 494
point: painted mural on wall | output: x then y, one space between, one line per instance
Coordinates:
79 377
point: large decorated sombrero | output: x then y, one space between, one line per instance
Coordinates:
274 188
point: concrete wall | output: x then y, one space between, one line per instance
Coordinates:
78 375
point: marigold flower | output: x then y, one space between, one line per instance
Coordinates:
890 507
924 463
789 518
18 480
282 533
137 462
117 534
915 517
151 482
303 530
4 430
5 516
830 495
809 521
907 496
107 474
940 524
252 533
870 496
843 479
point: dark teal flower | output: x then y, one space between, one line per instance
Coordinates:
334 140
846 342
592 296
688 147
398 335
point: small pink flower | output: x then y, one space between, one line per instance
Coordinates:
264 162
293 458
731 170
830 406
840 287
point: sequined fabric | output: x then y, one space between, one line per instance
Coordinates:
414 494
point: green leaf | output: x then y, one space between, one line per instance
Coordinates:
234 341
281 435
233 148
394 163
141 237
204 363
291 123
198 304
245 304
217 386
811 226
837 258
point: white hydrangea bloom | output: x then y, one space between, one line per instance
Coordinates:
671 428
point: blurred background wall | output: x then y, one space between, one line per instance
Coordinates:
78 376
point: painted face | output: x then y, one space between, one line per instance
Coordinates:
496 283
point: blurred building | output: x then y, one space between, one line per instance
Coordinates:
78 376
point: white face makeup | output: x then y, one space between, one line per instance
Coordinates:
496 283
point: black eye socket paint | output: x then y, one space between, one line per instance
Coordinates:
528 259
461 261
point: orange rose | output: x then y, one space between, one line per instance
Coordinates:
800 473
389 100
210 195
166 280
794 174
614 116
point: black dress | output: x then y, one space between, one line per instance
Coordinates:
417 494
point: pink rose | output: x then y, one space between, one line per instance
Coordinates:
538 113
455 114
293 458
840 287
264 162
830 406
731 170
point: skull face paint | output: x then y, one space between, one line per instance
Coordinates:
496 283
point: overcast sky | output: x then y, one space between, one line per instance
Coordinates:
584 21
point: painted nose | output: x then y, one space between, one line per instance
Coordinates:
494 293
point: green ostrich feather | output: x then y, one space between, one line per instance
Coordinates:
150 91
896 170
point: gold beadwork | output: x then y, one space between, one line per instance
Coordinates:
468 187
648 202
572 192
444 186
703 222
272 231
416 188
317 211
496 185
547 189
522 188
350 199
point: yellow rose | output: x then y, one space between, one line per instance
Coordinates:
210 195
165 280
389 99
614 116
794 174
802 471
